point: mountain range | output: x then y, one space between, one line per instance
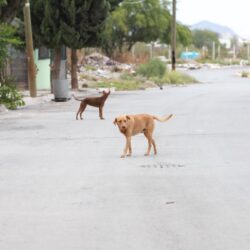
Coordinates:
223 31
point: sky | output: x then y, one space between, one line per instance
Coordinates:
234 14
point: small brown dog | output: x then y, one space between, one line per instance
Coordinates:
130 125
92 101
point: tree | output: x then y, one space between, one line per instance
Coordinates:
9 9
183 35
9 95
7 37
2 3
74 24
80 30
205 38
134 21
8 34
140 21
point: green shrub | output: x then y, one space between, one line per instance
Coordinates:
244 74
154 68
180 77
127 77
120 85
10 96
90 67
174 77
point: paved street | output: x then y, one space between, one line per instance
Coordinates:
63 185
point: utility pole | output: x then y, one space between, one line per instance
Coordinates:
173 35
234 52
29 50
150 51
219 49
169 52
248 51
213 50
133 53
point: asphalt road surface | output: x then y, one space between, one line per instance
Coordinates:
63 185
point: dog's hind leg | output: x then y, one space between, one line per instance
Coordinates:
151 142
154 145
147 135
78 112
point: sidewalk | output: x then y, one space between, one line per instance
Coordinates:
45 96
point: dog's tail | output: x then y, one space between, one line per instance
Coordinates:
162 119
76 98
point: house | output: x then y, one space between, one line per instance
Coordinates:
18 68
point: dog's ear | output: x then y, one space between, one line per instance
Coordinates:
115 121
128 118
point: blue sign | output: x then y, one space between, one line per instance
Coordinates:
190 55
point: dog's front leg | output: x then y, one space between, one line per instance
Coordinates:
127 147
130 149
150 142
82 108
101 113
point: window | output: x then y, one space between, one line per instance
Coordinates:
43 53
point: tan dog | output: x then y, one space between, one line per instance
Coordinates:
92 101
130 125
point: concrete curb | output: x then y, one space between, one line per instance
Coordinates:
3 109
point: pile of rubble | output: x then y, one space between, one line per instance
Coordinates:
98 60
96 66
